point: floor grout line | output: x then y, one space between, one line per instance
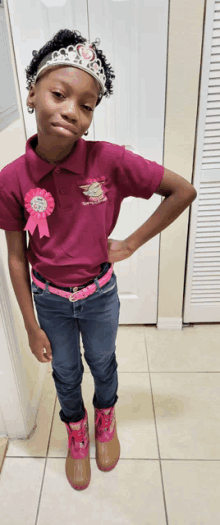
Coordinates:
45 465
121 458
157 438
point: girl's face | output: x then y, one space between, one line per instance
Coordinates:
63 96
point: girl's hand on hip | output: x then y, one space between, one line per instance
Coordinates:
118 251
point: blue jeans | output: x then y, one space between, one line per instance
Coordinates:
96 318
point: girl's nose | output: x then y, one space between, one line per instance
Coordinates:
70 110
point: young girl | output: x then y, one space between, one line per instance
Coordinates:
67 192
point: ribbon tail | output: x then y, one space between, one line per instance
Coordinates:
42 225
43 228
31 225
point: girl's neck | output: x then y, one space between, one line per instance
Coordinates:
57 157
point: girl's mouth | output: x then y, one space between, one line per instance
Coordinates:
64 130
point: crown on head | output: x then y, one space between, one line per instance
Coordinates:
82 56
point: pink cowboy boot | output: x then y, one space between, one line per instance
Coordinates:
106 439
78 471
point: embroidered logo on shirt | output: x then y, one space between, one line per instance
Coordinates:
94 191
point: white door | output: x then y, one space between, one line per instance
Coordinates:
202 298
133 37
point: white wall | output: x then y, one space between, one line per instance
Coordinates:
184 59
13 141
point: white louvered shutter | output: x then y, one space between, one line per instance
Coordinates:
202 294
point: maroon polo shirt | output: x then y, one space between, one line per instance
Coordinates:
86 190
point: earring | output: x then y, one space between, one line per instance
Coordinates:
30 110
87 132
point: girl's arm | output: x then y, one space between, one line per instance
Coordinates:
20 277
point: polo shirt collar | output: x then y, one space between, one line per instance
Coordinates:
39 167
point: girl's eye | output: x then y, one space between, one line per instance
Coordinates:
57 93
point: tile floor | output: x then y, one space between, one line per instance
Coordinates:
168 421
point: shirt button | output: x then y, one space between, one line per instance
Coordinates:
63 190
57 170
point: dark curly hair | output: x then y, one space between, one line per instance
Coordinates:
64 38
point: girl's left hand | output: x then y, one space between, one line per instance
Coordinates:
118 251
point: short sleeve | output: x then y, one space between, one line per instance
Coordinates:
137 176
11 212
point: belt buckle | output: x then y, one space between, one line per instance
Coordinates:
71 298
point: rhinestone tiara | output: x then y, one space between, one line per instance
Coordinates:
82 56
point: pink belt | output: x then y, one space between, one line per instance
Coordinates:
76 295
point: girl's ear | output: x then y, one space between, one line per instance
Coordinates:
30 94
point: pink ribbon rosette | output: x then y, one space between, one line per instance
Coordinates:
39 203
